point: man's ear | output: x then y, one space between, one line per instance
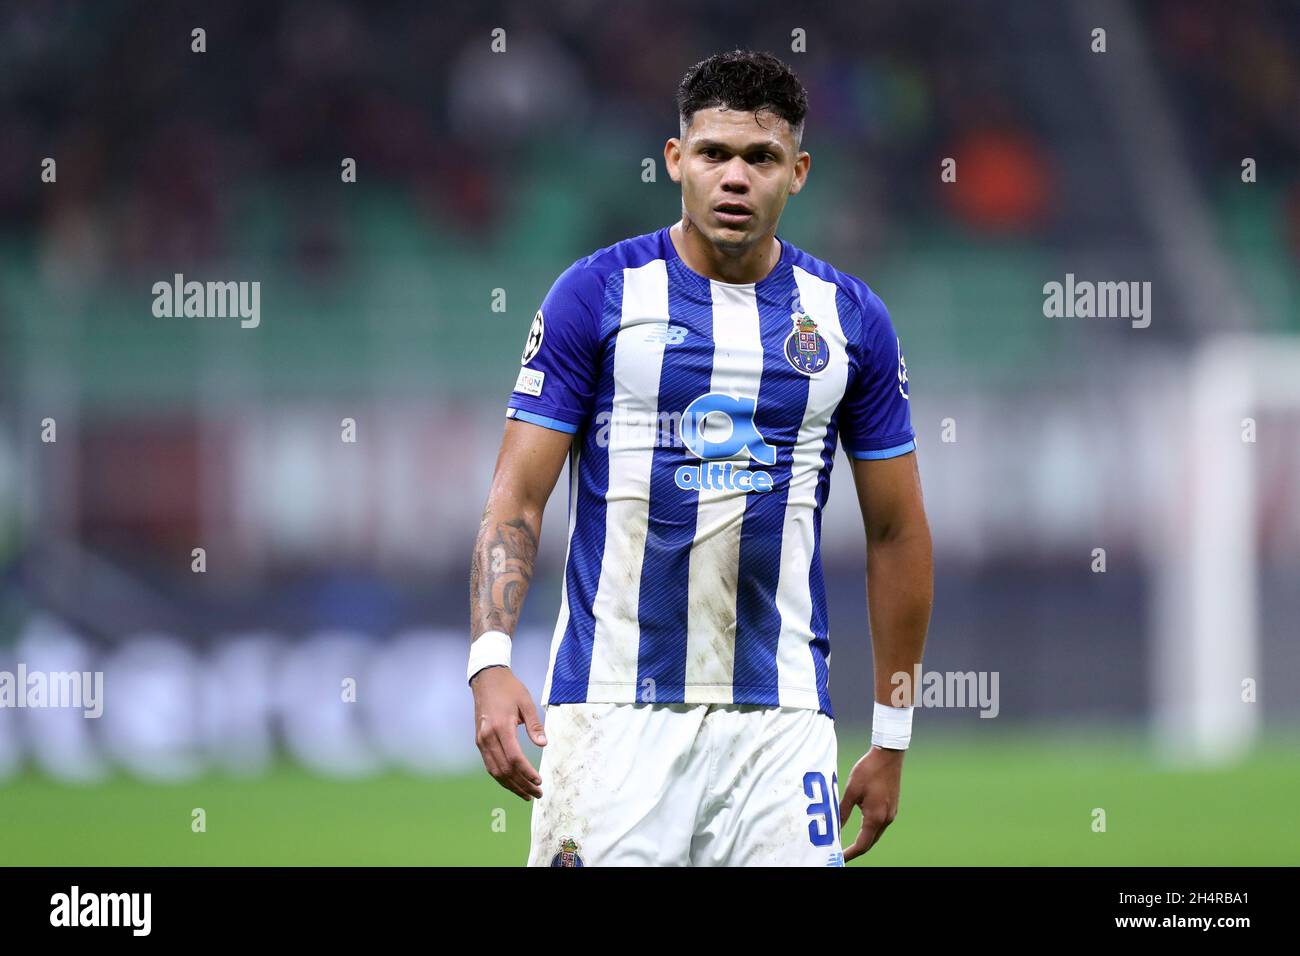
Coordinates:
802 163
672 159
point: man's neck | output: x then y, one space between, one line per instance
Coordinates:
753 265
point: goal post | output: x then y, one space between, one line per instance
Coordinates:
1206 678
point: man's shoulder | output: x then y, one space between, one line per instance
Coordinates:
869 309
627 253
855 289
587 276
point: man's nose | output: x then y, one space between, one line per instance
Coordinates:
735 177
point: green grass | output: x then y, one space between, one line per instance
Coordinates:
965 801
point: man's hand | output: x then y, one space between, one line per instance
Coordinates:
501 704
500 571
873 787
900 589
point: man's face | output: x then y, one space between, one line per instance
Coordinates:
736 175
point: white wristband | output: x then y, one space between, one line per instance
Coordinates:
891 727
488 649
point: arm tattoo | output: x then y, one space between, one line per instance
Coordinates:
502 567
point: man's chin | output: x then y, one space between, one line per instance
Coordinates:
731 237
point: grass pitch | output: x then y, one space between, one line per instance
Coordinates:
974 800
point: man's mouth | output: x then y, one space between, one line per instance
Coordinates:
733 213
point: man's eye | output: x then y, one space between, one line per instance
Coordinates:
763 158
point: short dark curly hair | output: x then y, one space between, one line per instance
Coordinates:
743 80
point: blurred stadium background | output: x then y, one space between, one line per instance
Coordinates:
479 171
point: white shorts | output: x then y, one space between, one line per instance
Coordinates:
687 785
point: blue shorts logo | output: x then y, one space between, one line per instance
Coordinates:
718 428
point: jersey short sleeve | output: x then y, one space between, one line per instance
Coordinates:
556 386
875 415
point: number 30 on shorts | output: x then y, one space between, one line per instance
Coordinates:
826 830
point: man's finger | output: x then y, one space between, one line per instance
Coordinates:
521 771
489 749
532 723
510 784
502 773
496 761
847 803
860 846
498 767
865 840
515 758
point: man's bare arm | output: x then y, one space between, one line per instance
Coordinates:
900 589
505 551
900 568
501 569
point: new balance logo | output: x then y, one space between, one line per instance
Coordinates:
667 334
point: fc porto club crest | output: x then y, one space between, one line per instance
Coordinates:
568 855
805 349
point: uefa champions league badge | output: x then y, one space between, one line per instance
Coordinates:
533 344
805 349
568 855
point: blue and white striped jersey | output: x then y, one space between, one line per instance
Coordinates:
705 418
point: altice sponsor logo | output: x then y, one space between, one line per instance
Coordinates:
84 689
722 474
718 428
75 908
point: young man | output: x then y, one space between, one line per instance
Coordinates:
698 378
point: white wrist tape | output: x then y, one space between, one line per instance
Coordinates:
891 727
488 649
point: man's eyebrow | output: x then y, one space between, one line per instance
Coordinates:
770 145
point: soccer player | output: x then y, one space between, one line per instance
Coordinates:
698 379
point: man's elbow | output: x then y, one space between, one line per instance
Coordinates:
511 494
907 527
517 510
